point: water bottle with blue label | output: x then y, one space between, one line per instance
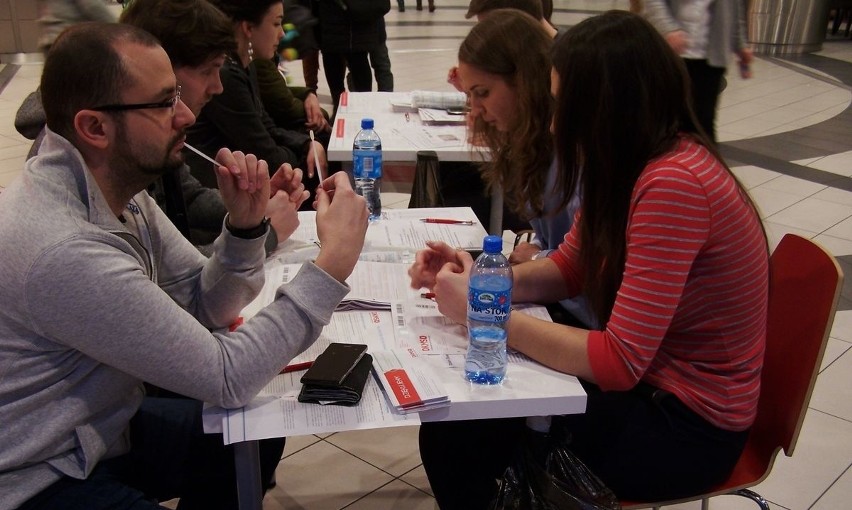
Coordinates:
489 302
367 167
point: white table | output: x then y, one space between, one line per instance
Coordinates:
403 136
530 389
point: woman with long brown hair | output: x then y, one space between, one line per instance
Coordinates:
672 255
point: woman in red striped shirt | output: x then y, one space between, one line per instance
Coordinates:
671 253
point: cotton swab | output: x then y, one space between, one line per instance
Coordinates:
316 156
205 156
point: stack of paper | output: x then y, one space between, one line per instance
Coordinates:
408 381
432 99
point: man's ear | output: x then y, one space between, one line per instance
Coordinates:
94 128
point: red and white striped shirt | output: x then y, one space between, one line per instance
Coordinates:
690 315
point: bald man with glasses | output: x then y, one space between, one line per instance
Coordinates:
101 293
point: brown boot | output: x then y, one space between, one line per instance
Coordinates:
431 5
419 5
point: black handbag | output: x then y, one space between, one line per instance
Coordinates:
546 475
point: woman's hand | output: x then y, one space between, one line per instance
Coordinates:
451 286
428 262
523 252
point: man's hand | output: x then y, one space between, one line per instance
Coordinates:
283 215
523 252
320 155
678 40
313 114
428 262
341 225
244 184
289 180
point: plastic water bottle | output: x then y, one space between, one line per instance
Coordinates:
489 301
367 167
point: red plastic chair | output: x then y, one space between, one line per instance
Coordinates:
804 287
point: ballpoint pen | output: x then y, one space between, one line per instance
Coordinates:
295 367
447 221
316 156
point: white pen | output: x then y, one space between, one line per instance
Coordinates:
205 156
316 156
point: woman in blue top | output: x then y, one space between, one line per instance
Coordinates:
504 67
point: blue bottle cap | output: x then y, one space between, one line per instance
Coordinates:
366 123
492 244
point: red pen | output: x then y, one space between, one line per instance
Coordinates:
447 221
428 295
295 367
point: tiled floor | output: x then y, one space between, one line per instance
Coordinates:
787 132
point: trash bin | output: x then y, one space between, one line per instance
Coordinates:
782 27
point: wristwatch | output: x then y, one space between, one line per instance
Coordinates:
248 233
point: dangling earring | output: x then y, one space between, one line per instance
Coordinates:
250 52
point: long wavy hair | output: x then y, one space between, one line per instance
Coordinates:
623 99
512 45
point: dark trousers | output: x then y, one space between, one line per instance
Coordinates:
335 73
380 60
642 446
706 88
170 457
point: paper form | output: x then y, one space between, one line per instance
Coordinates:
283 415
373 284
399 231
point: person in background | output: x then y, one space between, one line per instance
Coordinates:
236 118
504 68
481 8
101 293
348 32
197 36
705 33
669 250
54 16
293 108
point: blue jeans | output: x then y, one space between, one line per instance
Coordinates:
170 457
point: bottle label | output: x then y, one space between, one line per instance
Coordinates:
367 164
489 305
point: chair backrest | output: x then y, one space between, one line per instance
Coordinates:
804 287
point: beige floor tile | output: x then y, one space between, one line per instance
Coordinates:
393 450
833 390
396 495
295 444
833 350
821 456
322 477
770 201
839 495
813 215
417 478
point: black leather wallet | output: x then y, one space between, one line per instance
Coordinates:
347 393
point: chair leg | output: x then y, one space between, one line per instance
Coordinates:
757 498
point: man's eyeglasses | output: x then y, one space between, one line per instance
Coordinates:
168 103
